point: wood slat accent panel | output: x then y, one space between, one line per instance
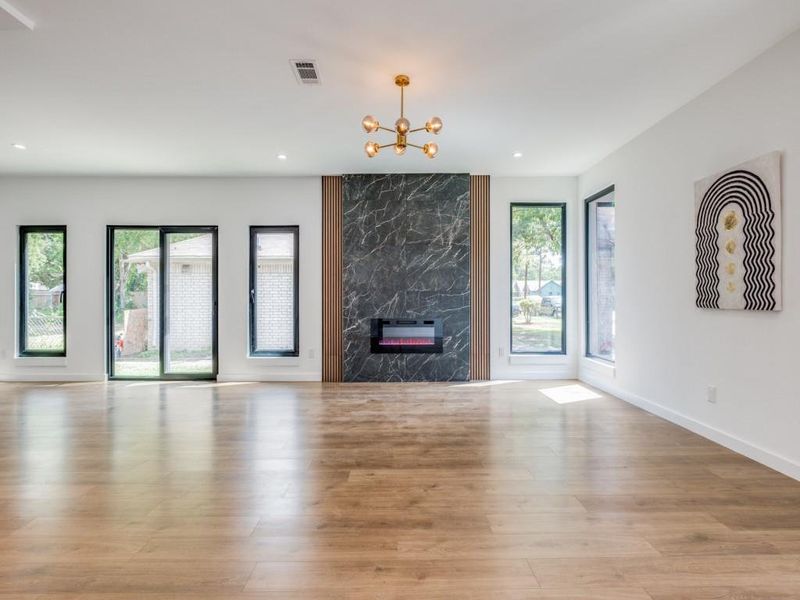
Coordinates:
331 278
479 276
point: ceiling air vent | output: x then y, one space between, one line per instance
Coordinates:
305 70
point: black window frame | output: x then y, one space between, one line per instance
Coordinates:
255 230
587 291
24 230
563 207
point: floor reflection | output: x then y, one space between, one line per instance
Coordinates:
303 490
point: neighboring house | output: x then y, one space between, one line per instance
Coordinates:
190 281
56 295
547 288
39 297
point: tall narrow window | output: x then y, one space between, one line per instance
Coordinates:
538 278
43 291
273 291
600 275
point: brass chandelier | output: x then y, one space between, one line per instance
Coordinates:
402 128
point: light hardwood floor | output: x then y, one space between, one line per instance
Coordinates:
200 491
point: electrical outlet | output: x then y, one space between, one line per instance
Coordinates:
711 394
501 352
311 353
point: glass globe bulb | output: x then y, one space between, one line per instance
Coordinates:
434 125
402 125
372 149
370 124
399 149
430 149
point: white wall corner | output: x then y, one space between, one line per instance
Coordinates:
592 367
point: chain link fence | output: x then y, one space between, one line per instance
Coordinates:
45 332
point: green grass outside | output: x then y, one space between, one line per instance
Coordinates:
542 334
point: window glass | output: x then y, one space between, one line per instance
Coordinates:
537 278
600 277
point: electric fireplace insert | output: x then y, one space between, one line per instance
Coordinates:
406 336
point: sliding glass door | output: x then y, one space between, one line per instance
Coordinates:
162 299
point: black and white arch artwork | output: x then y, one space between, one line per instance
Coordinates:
738 236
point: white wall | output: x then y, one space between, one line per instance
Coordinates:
87 205
669 351
504 191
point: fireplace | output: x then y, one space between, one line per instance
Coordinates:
406 336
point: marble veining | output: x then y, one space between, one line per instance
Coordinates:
406 255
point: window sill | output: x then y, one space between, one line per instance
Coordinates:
40 361
275 361
536 359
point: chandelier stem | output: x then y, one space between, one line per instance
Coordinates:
401 101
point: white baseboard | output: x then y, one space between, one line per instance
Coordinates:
34 376
774 461
289 375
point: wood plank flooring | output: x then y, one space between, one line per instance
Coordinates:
201 491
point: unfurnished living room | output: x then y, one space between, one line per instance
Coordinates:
321 300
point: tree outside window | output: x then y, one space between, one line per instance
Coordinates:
537 278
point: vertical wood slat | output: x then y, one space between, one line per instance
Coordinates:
479 276
332 278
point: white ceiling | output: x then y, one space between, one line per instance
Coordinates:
204 87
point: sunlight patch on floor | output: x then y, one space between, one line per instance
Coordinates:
567 394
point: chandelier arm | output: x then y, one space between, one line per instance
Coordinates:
388 145
417 129
413 145
386 129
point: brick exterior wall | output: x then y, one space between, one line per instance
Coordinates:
152 306
275 305
190 306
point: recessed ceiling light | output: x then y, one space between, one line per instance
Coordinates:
282 157
517 155
19 146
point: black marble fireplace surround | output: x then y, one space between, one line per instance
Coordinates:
406 256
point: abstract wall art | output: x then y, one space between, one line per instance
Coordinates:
738 236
